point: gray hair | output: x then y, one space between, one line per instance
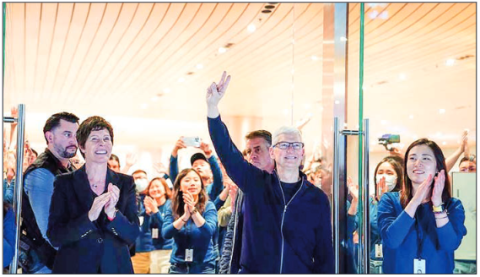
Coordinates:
286 130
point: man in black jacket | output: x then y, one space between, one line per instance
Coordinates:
257 154
60 134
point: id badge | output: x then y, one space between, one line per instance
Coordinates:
378 251
419 266
140 218
155 233
189 255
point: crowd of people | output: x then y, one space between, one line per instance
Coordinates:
260 210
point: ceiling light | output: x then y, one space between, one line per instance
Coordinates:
444 143
199 66
402 76
411 116
450 62
373 14
314 58
181 80
222 50
343 39
337 102
167 90
441 111
251 28
383 15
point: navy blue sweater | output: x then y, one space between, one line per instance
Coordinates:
278 237
399 235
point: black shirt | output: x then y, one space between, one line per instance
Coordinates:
289 189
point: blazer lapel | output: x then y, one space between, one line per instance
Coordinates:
82 188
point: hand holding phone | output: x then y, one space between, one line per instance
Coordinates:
192 141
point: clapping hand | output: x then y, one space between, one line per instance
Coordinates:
150 205
114 193
98 205
189 202
438 188
381 188
422 190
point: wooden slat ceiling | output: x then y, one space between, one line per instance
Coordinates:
140 60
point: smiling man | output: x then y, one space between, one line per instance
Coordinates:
287 225
60 134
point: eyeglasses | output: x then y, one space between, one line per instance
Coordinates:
285 145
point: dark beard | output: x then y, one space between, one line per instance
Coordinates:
67 155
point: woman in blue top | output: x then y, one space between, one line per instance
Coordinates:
423 226
191 222
388 178
157 202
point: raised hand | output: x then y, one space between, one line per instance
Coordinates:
131 159
98 205
215 91
206 149
438 188
352 188
178 145
14 112
114 193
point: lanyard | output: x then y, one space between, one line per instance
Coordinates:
420 237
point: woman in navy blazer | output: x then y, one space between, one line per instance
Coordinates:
93 216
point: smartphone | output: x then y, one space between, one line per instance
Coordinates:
192 141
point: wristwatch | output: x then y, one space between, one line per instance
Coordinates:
438 209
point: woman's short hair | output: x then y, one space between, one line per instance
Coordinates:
93 123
